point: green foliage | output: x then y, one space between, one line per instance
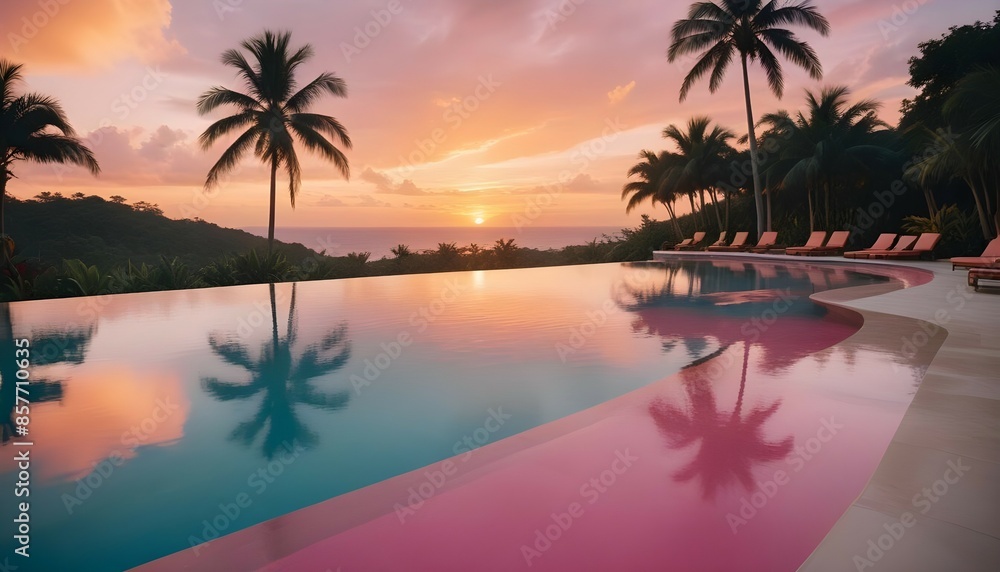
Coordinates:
401 251
958 230
639 243
108 234
942 63
172 274
354 263
506 252
131 278
78 279
219 273
252 268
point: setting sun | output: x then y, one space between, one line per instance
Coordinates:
479 220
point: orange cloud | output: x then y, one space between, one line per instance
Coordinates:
620 92
66 35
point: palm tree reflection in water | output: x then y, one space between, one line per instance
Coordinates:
46 347
283 379
730 444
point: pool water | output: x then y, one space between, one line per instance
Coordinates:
163 420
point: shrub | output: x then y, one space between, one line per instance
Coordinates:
78 279
251 268
959 231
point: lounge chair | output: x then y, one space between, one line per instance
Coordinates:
739 244
720 242
905 243
815 241
694 244
768 241
883 242
924 245
989 257
834 246
977 274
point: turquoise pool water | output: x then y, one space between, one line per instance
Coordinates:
161 420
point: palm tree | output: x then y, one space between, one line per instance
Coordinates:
282 379
271 111
650 184
33 127
975 104
703 153
832 145
751 28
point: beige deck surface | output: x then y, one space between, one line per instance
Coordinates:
918 512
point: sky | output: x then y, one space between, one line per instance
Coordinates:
515 112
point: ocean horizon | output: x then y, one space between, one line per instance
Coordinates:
338 241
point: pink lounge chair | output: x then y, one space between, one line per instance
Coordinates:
905 243
883 242
694 244
768 241
924 245
834 246
739 244
977 274
989 257
815 241
720 242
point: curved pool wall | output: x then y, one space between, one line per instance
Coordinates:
189 400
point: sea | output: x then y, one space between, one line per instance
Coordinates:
379 241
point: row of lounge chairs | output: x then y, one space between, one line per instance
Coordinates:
819 244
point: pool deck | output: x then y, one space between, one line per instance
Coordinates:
931 504
917 513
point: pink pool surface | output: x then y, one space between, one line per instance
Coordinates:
743 461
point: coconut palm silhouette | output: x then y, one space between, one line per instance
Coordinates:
283 379
730 444
44 348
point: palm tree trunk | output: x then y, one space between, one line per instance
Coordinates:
694 217
715 204
983 221
929 197
704 215
274 190
757 197
826 206
768 195
726 196
986 201
673 219
3 197
809 197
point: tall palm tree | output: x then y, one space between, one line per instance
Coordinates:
33 127
830 146
703 150
720 30
649 186
283 379
975 104
271 111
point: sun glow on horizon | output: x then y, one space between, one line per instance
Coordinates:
479 220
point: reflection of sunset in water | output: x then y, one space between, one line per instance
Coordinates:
105 410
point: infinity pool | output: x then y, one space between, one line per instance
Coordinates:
164 420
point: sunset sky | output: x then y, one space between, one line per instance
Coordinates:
458 109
